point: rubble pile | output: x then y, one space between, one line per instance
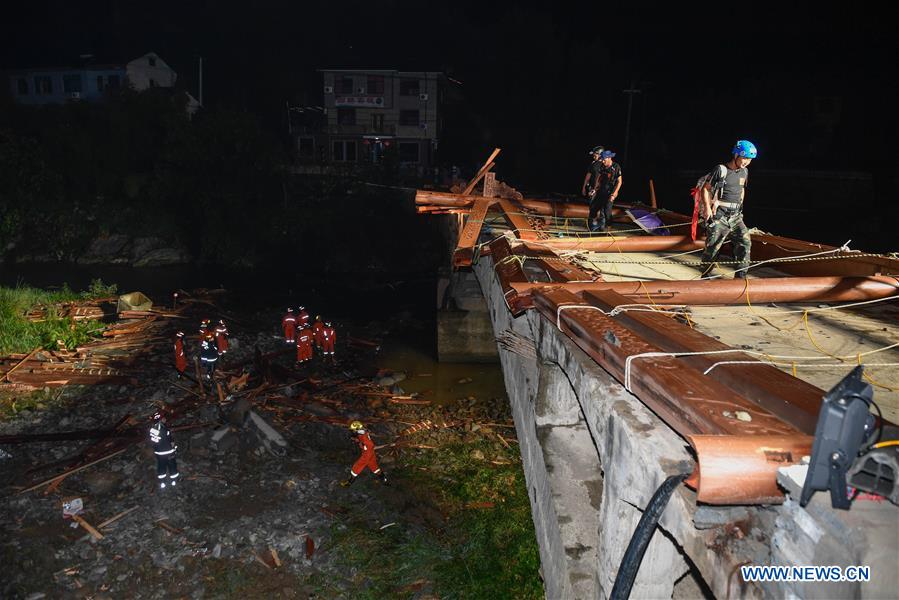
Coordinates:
260 450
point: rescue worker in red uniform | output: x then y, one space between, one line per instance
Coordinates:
303 317
221 337
289 324
304 344
317 328
329 336
180 358
367 458
205 326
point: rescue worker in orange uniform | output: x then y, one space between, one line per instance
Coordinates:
303 317
180 358
221 337
289 324
304 344
367 458
328 338
317 328
204 329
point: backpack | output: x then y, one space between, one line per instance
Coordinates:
717 175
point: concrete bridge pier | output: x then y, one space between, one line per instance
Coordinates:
584 496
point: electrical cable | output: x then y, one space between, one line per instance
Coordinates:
633 556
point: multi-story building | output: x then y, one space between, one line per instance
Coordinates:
88 79
372 113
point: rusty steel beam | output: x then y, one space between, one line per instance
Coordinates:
765 247
488 164
715 292
513 214
468 237
687 400
789 398
544 208
690 403
640 243
742 469
509 269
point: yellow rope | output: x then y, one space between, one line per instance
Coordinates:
885 444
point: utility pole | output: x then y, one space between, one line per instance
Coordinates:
627 127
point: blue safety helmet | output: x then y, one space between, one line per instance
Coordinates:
607 154
745 149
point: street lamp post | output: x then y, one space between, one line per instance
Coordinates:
627 127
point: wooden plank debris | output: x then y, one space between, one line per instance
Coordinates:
87 526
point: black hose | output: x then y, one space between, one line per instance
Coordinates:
633 556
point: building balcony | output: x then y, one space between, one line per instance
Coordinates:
361 130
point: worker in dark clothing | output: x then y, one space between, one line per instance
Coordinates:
180 358
592 176
209 355
164 448
367 459
722 198
604 192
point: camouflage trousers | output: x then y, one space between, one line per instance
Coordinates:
727 227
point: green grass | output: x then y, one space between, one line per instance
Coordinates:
18 335
480 553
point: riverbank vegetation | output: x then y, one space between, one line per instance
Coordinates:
18 334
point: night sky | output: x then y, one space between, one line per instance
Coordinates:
543 80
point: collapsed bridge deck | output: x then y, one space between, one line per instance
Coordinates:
735 368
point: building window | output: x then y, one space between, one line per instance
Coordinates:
22 84
346 116
71 83
409 87
305 148
152 61
43 86
377 122
409 117
345 85
375 86
344 151
409 152
113 82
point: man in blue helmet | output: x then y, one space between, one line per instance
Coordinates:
722 198
608 183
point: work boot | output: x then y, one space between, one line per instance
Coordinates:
740 273
162 485
383 477
348 482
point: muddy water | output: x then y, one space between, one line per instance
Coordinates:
442 383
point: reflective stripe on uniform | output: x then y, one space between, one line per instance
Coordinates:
163 453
